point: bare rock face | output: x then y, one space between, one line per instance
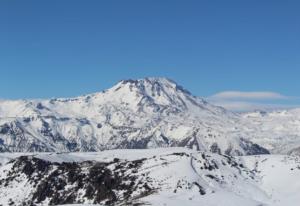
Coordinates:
74 182
295 151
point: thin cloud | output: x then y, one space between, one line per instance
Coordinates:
240 106
250 101
227 95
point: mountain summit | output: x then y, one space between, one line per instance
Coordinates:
144 113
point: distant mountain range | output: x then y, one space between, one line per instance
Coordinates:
139 114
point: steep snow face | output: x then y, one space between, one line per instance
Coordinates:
278 131
168 176
145 113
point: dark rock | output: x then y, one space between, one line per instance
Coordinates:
60 183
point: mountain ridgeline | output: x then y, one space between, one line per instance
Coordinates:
133 114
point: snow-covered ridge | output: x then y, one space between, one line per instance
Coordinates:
169 176
144 113
133 114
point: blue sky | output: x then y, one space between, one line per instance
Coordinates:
68 48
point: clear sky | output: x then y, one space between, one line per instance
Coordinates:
68 48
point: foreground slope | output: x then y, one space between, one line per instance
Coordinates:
279 177
173 176
145 113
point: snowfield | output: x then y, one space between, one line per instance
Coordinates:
279 177
166 176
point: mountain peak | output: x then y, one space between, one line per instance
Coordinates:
151 81
154 92
155 84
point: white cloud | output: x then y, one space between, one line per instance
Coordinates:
248 95
240 106
249 101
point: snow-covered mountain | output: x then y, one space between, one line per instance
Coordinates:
278 131
145 113
168 176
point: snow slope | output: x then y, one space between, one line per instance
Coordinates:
166 176
278 175
145 113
